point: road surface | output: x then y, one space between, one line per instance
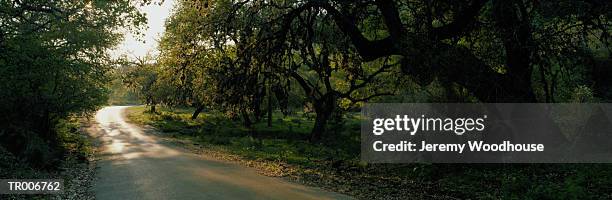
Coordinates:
136 165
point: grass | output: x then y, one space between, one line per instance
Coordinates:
286 139
335 164
73 166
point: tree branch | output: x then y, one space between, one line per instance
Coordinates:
368 50
461 22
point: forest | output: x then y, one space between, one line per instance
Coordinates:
55 65
247 75
250 58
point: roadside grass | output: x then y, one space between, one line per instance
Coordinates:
334 163
73 167
285 140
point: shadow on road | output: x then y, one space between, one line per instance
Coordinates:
135 165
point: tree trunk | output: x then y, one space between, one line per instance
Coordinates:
324 107
257 111
153 110
197 112
319 126
517 42
269 108
246 119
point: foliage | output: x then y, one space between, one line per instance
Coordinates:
214 58
328 57
73 167
283 150
54 64
120 94
143 79
317 61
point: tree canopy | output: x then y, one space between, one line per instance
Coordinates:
240 56
54 61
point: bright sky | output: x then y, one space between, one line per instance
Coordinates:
156 17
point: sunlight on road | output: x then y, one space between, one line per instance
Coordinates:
126 141
134 165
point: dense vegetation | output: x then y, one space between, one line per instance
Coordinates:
283 150
54 66
280 81
288 75
249 58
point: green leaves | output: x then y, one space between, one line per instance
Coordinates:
54 61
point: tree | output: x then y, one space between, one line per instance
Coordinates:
342 53
180 56
328 69
54 62
242 34
142 77
213 64
429 40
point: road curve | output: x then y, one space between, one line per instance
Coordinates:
135 165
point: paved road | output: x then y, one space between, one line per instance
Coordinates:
135 165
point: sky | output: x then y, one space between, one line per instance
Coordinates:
156 17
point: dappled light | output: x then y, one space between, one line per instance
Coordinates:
134 161
123 141
247 99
